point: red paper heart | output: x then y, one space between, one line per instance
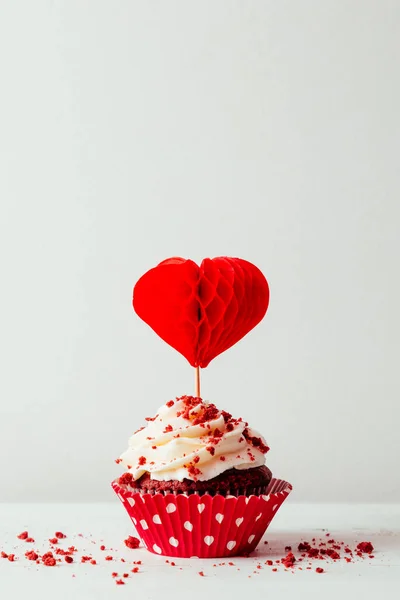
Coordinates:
202 311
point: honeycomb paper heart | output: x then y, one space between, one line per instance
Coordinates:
202 311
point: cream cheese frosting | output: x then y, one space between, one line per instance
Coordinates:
191 439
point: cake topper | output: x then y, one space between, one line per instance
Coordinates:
201 311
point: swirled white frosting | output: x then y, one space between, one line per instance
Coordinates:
191 439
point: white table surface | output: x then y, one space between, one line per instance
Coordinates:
109 524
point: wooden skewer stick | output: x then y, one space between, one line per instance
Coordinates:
197 381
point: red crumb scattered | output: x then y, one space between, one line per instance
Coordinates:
11 557
269 563
118 460
68 559
154 447
142 460
365 547
173 564
347 559
288 548
149 419
102 547
257 442
3 555
137 562
53 540
275 569
126 479
120 582
304 546
30 540
109 558
48 559
201 573
170 403
132 542
122 560
196 459
319 570
135 570
211 450
114 574
60 535
23 535
194 471
288 560
31 555
222 458
125 575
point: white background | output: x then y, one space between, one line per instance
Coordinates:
133 131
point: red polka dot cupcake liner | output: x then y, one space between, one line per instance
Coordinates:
202 526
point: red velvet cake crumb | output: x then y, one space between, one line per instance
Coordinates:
53 540
60 535
319 570
102 547
68 559
120 582
109 558
132 542
365 547
170 403
31 555
23 535
201 573
126 479
135 570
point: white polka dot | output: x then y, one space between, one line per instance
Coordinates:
201 507
171 508
134 520
187 525
144 524
208 540
131 501
157 520
194 557
219 517
259 516
230 545
251 538
156 548
266 498
274 507
174 542
239 521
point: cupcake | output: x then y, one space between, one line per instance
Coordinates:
195 482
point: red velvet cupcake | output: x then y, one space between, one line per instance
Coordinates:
196 482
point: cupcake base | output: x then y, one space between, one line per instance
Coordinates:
189 526
233 482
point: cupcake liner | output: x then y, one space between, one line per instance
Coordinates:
202 526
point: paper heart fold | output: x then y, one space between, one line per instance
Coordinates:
201 311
